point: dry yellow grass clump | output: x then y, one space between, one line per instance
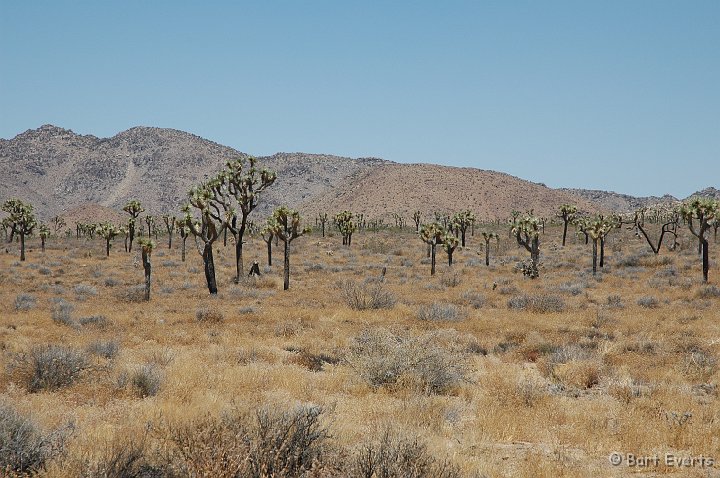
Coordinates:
476 371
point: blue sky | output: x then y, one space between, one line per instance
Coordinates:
618 95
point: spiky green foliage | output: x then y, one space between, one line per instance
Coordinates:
526 229
43 233
567 213
285 224
416 219
21 219
107 231
449 244
462 220
346 225
322 220
133 208
433 234
597 228
699 214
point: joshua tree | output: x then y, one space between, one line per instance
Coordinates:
450 243
210 226
108 232
147 247
416 218
488 236
346 226
267 235
285 224
133 208
322 219
170 223
461 221
597 228
567 214
43 232
704 210
526 230
58 223
433 234
22 220
125 232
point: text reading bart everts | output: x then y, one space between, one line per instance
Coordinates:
653 461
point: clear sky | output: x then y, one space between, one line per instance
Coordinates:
618 95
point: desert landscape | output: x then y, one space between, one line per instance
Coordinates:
524 357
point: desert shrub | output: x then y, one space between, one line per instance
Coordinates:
366 295
473 299
289 444
146 380
382 358
99 321
247 309
132 294
615 302
572 288
24 447
450 278
397 456
61 312
122 459
45 271
699 364
648 301
313 362
709 292
111 282
107 349
537 303
25 302
49 367
289 328
209 314
83 291
439 311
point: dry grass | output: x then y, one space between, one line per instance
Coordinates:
503 376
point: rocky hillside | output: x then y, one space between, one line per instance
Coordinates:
61 172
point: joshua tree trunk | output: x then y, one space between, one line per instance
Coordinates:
170 235
450 254
209 268
705 260
487 253
182 253
42 244
22 246
462 237
132 236
602 252
107 247
269 252
286 271
225 238
432 259
565 226
148 268
594 255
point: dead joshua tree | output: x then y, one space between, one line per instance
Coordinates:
147 246
488 236
526 230
669 227
567 214
133 208
170 223
267 235
698 214
322 219
58 223
22 219
285 224
416 218
432 234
